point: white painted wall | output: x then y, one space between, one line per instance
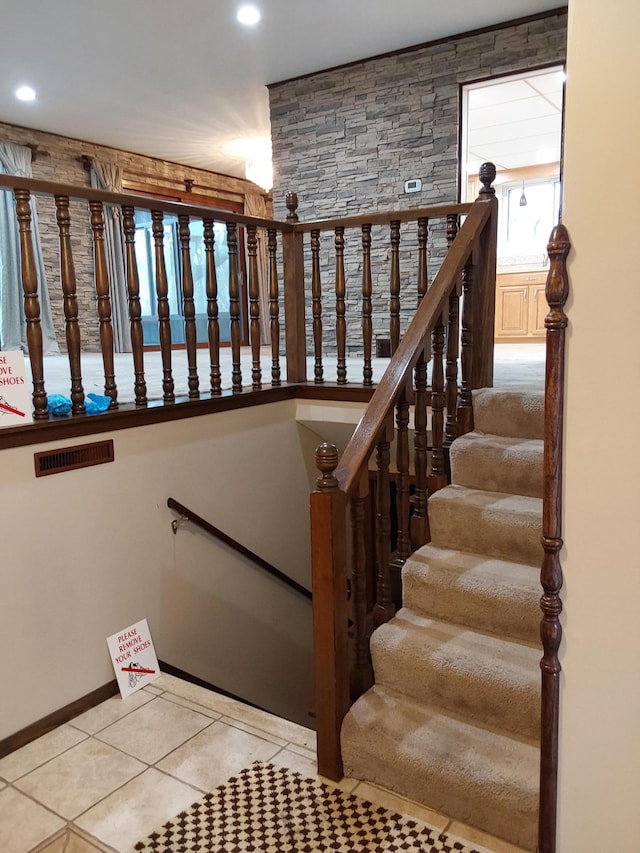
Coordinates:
600 714
87 552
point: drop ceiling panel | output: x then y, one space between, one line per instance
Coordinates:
517 122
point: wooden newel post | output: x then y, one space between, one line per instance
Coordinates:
330 618
291 200
557 292
294 304
484 291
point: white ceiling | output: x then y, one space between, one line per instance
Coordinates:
183 81
516 122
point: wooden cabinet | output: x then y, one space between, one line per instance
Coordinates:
520 306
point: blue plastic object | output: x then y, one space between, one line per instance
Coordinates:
95 404
58 405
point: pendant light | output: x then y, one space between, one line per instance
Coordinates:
523 198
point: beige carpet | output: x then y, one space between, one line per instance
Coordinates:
274 810
453 718
516 366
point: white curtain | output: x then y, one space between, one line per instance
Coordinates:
255 205
16 160
108 176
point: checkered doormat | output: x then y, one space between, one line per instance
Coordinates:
274 810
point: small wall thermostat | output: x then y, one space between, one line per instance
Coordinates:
413 186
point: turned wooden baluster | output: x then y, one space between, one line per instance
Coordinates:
135 311
274 307
420 533
31 303
423 236
438 477
557 292
162 290
254 307
403 544
384 608
394 303
316 306
453 331
423 280
362 672
367 326
213 326
189 307
234 306
70 303
465 407
104 301
341 323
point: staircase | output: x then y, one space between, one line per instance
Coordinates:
452 720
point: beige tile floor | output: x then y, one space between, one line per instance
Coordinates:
110 776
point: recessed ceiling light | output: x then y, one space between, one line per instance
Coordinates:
248 15
25 93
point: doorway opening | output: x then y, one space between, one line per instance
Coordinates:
516 123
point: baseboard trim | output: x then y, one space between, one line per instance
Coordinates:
79 706
57 718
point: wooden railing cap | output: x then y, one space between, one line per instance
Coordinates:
326 463
487 175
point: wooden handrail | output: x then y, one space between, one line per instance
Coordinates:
288 237
436 211
11 182
358 450
341 480
236 546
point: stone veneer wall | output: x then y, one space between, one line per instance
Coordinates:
346 140
62 164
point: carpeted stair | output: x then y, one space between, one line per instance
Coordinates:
453 718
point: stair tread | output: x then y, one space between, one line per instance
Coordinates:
462 770
483 565
455 642
500 500
498 463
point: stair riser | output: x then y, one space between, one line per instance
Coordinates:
453 717
504 697
441 593
478 463
512 413
480 780
494 529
